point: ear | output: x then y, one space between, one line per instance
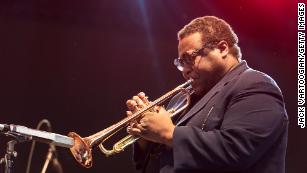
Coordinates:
223 48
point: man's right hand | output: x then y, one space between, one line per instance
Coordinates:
136 103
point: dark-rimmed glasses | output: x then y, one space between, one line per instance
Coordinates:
188 59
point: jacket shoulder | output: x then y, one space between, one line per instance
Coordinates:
253 79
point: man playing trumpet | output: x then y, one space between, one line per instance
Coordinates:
236 121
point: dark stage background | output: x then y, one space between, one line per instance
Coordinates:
77 62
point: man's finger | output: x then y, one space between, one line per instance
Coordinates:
130 104
139 102
133 131
144 98
128 113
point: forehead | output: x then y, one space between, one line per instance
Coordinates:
190 42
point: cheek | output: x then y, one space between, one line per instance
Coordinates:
208 64
208 70
203 66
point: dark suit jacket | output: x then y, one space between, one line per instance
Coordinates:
239 126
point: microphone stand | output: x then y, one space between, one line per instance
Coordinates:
11 154
52 156
49 156
23 134
9 157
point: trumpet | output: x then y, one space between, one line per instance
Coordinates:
82 148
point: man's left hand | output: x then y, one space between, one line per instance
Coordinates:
156 127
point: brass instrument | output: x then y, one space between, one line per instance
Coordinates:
82 149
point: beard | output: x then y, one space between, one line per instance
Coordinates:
205 81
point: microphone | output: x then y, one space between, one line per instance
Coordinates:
4 128
38 135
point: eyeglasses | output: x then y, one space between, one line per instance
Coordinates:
188 59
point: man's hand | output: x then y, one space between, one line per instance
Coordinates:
157 127
153 126
136 103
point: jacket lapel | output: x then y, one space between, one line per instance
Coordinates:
206 98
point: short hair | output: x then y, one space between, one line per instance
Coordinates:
213 30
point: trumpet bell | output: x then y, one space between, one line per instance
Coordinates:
81 151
